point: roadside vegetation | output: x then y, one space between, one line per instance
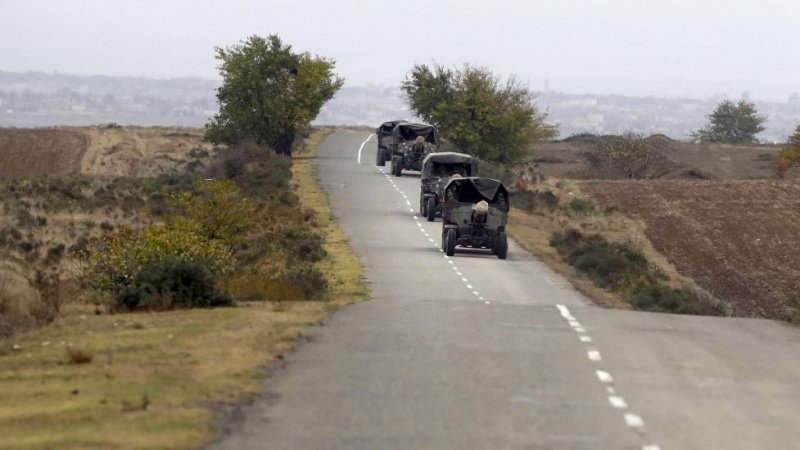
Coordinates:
138 312
598 247
142 380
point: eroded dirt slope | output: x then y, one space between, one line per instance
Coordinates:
737 239
112 151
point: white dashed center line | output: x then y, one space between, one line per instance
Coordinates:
618 402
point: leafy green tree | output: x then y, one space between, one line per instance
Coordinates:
268 92
732 123
479 112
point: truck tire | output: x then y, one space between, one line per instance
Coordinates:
398 166
430 209
450 242
379 160
502 245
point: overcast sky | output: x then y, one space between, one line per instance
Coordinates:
696 48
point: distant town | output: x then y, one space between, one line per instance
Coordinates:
36 99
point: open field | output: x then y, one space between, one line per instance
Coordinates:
562 159
52 151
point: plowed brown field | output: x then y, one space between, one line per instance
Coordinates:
25 152
740 240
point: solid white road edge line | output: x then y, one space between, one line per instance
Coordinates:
362 147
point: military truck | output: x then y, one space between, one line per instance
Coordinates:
384 135
404 154
474 215
437 168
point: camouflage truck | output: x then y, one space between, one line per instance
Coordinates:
437 168
475 213
405 154
384 135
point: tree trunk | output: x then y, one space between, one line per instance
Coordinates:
284 144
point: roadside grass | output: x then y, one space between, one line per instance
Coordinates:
160 380
344 271
533 233
153 381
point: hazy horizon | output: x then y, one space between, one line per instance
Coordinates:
623 47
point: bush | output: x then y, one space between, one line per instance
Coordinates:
657 298
308 281
173 283
628 155
54 254
625 270
301 244
581 206
534 200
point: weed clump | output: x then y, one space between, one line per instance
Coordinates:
78 356
580 206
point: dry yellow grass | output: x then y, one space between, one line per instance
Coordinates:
344 271
154 380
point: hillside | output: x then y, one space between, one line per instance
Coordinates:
737 239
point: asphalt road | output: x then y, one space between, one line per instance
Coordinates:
472 352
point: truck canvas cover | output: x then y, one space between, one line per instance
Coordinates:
408 131
444 158
477 188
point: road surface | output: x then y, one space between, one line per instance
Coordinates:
472 352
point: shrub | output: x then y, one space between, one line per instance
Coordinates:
628 155
301 243
198 153
112 261
26 219
581 206
77 356
658 298
54 254
624 269
172 283
309 281
534 200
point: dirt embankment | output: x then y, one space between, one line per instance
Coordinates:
739 240
102 150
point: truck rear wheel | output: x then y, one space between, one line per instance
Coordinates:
502 245
450 242
398 166
430 209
